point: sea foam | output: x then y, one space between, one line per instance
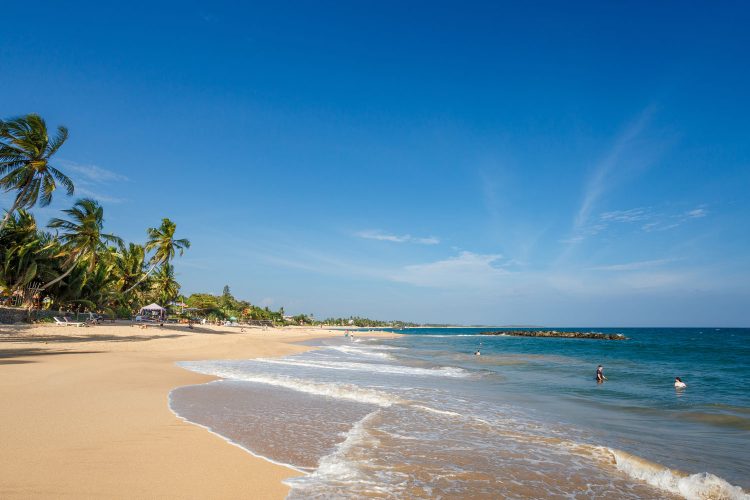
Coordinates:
442 371
347 392
703 486
337 468
361 351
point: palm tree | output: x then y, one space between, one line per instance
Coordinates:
162 241
100 286
24 253
130 265
165 285
25 153
82 238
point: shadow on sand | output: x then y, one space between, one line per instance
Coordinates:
7 356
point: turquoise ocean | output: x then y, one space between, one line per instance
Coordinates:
422 416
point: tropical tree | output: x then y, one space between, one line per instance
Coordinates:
165 285
162 241
100 287
25 152
82 238
73 294
25 252
131 263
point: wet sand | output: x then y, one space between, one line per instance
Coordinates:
84 413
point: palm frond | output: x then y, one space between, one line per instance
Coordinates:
48 187
62 179
59 140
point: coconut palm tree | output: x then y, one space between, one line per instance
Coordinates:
82 238
24 254
165 285
100 287
130 265
25 153
165 246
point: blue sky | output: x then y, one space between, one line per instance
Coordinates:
548 163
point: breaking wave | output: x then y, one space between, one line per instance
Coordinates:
703 486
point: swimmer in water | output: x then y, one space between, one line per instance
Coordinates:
477 353
600 374
679 384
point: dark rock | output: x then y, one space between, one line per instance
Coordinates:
557 334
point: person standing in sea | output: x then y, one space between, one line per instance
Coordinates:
600 374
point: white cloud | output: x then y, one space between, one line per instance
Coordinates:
601 180
632 266
654 281
660 226
91 180
664 222
572 239
697 213
431 240
92 173
649 218
373 234
97 196
468 269
632 215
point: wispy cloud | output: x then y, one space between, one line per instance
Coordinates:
92 173
648 219
293 256
632 215
664 222
93 181
465 269
373 234
659 226
627 155
602 178
697 213
82 191
632 266
655 281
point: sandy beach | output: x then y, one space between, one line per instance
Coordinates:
84 413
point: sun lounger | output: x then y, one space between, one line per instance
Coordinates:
65 322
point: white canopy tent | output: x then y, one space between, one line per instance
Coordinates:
153 310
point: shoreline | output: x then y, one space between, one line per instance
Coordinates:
86 412
294 469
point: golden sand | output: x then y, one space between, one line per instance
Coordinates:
84 413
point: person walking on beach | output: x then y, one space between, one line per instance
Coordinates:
600 374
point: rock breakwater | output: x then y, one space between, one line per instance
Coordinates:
557 334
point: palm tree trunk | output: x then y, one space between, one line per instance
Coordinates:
142 278
10 212
61 277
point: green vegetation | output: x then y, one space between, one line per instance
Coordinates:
25 153
226 307
73 264
366 322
